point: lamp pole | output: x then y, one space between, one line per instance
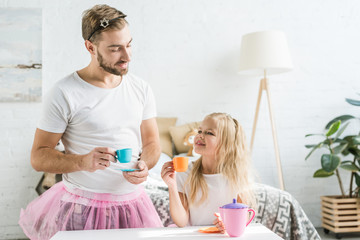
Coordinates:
264 86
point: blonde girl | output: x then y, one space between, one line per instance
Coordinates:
222 173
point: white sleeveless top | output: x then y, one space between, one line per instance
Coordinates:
219 194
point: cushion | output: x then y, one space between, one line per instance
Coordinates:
165 139
178 134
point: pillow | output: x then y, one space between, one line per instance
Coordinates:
178 134
165 139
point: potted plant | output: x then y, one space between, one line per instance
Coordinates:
340 213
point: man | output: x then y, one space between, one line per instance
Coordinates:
95 111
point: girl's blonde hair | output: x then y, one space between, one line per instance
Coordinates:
232 161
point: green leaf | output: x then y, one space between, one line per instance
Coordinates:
314 134
338 149
342 118
310 145
332 141
330 162
333 128
345 152
353 102
354 151
350 167
316 147
322 173
357 179
356 140
350 140
342 129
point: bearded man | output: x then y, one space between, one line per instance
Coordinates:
95 111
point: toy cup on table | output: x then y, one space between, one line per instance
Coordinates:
124 155
180 163
235 217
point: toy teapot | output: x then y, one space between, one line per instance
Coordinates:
235 217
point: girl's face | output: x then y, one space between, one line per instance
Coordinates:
206 141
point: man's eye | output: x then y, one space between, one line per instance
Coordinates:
115 49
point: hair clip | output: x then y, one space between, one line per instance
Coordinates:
104 23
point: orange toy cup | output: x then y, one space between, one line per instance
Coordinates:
180 163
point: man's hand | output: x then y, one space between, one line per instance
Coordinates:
138 176
98 159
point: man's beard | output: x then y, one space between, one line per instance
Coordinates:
110 69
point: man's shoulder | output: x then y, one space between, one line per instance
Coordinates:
70 83
65 83
63 87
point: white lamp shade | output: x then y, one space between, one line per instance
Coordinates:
266 50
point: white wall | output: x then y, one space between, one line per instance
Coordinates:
188 51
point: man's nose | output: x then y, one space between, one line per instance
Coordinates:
126 56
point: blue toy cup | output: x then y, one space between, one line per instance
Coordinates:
124 155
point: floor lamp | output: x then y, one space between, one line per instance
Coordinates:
265 53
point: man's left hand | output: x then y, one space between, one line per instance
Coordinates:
137 176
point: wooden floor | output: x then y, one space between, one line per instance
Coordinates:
343 236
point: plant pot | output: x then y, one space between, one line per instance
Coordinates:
340 215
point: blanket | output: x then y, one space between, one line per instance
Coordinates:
280 212
277 210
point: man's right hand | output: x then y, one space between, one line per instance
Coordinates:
98 158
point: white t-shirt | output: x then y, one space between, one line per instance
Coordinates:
90 117
219 194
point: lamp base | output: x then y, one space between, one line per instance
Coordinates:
264 86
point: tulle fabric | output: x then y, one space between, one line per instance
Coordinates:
60 208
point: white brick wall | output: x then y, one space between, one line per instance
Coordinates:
17 179
188 51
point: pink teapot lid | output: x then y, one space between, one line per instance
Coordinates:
235 205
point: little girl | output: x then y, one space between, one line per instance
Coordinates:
219 175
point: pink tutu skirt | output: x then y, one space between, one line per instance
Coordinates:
63 209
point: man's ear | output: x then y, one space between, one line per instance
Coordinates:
90 47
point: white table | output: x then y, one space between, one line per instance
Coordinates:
254 231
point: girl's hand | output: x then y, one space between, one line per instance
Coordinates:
219 223
168 174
